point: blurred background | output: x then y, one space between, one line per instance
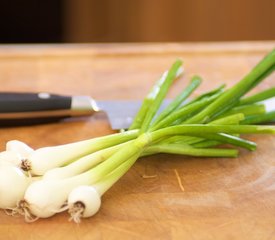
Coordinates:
73 21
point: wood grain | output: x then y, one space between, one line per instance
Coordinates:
222 198
162 20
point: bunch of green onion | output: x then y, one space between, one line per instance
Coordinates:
73 177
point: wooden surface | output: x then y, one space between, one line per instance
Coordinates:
222 198
124 21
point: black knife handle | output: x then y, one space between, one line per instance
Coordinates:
17 109
29 102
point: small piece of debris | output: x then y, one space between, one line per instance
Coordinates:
179 180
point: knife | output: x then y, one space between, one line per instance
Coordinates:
33 108
36 108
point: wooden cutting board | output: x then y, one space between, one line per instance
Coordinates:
221 198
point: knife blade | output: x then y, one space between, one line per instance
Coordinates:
33 108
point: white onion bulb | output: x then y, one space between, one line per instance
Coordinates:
83 202
13 184
10 157
20 147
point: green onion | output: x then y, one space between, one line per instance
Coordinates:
191 151
172 73
232 95
261 96
74 176
197 129
247 110
150 98
195 82
260 118
184 112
